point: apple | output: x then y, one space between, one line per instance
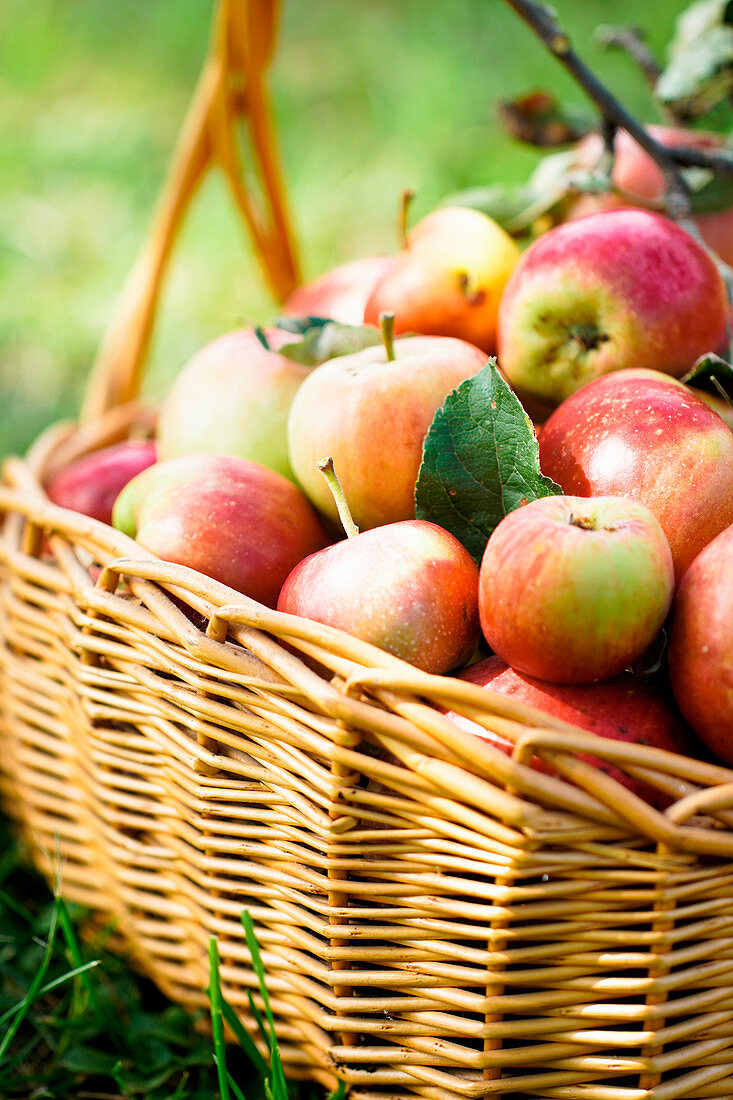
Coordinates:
644 435
371 411
449 278
92 483
623 288
233 397
342 293
409 587
575 589
228 517
630 707
638 176
701 645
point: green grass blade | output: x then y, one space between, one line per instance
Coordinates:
238 1094
217 1022
339 1093
279 1084
27 1002
258 1018
244 1039
258 966
50 986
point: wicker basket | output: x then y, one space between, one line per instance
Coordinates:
436 918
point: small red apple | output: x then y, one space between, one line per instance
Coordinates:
231 519
641 434
701 645
233 397
410 588
371 411
628 708
574 589
637 175
91 484
624 288
449 278
342 293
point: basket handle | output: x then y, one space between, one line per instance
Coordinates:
230 89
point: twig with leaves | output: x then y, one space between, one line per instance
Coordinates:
678 203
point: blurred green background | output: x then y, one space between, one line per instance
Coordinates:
372 96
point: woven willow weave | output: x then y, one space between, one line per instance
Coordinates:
436 919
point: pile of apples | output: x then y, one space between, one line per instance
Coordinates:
285 465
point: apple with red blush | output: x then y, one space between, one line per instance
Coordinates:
640 179
701 645
630 707
644 435
449 277
620 289
341 293
408 587
91 484
233 397
371 411
575 589
227 517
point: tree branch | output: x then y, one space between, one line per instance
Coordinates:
543 23
631 41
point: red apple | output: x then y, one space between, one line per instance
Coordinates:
627 708
91 484
233 397
410 588
371 412
638 176
574 589
624 288
342 293
641 434
449 278
701 645
232 519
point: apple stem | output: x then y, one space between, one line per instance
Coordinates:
386 325
406 201
325 465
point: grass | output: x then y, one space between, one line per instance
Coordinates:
76 1022
371 98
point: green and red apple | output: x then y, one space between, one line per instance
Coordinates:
639 178
227 517
233 397
91 484
575 589
410 588
644 435
341 293
630 707
449 278
619 289
371 411
701 645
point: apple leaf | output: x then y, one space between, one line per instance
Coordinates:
320 339
538 118
698 78
480 461
712 372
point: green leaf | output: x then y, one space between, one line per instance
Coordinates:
321 339
699 74
480 461
712 372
